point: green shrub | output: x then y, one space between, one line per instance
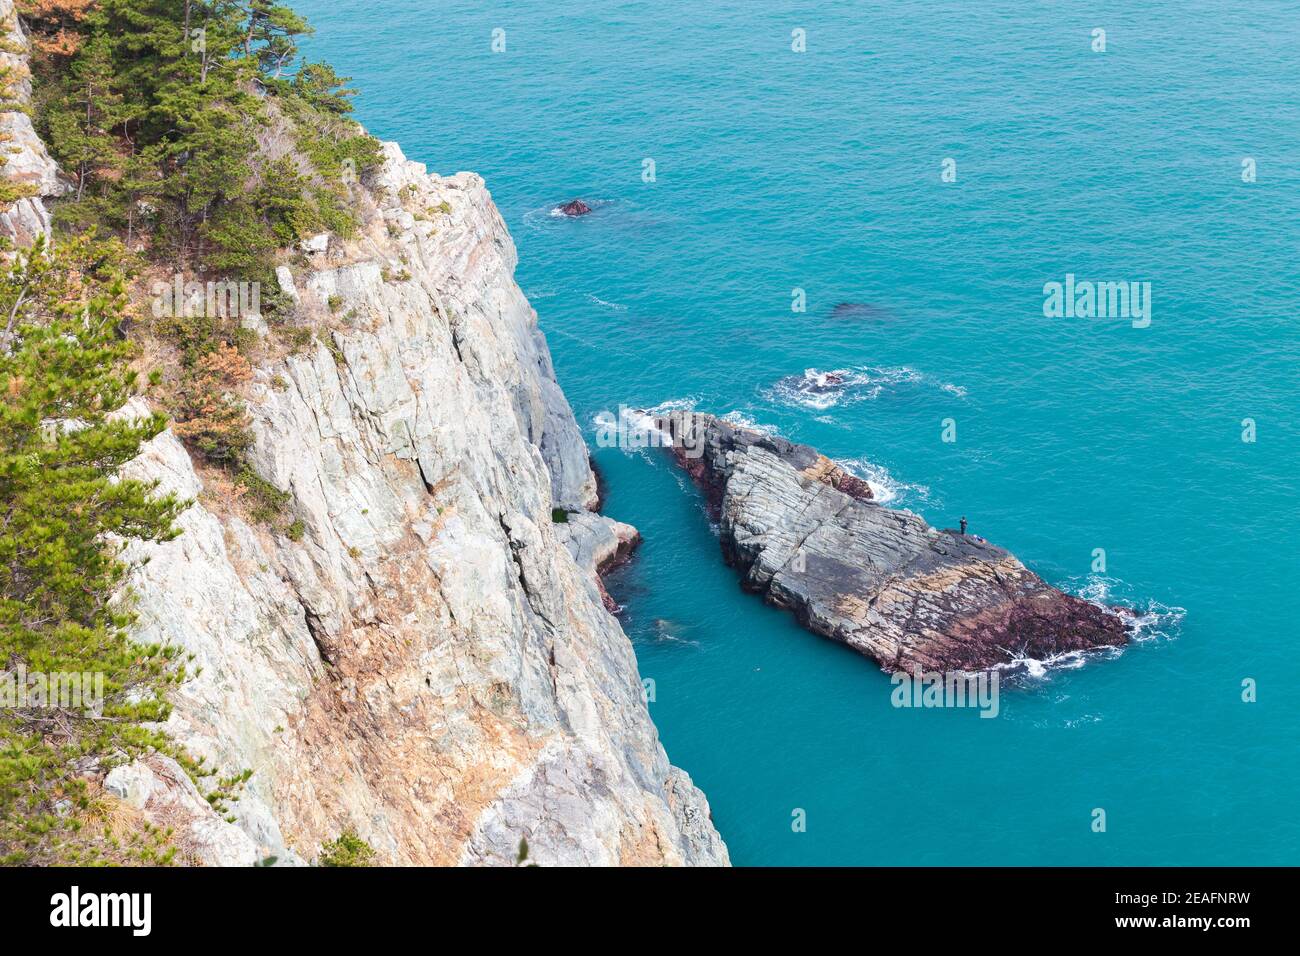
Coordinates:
300 338
348 850
266 503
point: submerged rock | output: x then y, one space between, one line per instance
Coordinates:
574 208
816 382
806 535
815 388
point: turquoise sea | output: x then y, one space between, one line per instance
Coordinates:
776 170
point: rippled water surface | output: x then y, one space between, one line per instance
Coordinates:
821 171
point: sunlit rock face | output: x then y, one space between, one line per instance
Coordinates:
428 658
806 535
431 663
27 160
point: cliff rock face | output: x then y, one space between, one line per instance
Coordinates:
428 664
805 534
28 162
430 661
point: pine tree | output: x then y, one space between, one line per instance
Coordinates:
276 27
184 125
66 515
158 108
196 114
321 87
83 121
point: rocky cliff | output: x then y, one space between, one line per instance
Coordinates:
432 663
807 536
427 658
27 161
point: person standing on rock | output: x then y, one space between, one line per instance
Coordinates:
963 524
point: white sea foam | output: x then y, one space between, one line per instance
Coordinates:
612 306
741 420
643 422
820 389
816 389
885 488
1147 620
1038 668
1085 719
670 632
672 405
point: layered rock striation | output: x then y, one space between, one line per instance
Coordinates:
424 655
807 536
431 662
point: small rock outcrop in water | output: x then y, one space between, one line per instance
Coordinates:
600 545
807 536
575 208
